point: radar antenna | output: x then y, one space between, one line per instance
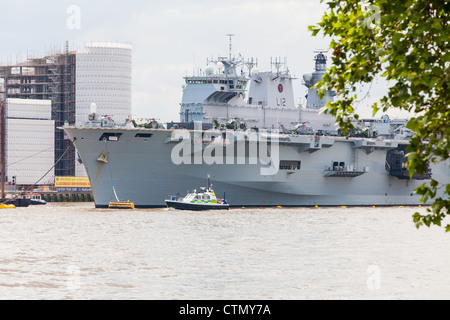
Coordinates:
250 64
231 43
276 63
320 60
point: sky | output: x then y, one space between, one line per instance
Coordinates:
170 38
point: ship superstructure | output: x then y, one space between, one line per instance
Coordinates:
255 162
219 87
220 95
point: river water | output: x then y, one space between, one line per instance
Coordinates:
74 251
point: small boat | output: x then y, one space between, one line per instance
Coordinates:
205 199
121 205
35 199
16 201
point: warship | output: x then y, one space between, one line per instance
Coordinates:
258 145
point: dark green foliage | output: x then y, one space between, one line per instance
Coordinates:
407 43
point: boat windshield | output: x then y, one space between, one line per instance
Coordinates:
190 196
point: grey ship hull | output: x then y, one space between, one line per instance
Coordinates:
142 171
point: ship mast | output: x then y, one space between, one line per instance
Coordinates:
231 45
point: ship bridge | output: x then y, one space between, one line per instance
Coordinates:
220 97
209 89
214 86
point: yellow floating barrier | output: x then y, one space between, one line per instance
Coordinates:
7 206
121 205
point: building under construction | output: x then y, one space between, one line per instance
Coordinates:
49 78
100 73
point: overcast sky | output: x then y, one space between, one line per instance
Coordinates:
170 38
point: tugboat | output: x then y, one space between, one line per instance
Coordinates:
15 201
205 199
36 199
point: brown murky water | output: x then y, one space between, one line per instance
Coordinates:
74 251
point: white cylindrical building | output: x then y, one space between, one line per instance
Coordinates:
103 77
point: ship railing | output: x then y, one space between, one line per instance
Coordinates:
344 171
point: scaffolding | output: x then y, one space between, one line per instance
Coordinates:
49 78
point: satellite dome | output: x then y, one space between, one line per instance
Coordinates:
307 77
209 71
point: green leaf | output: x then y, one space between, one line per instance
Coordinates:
411 52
